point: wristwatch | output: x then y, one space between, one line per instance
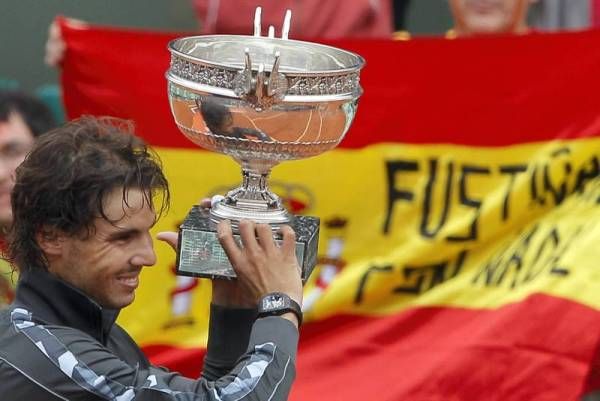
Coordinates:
278 303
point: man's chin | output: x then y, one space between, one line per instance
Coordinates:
119 302
127 300
485 26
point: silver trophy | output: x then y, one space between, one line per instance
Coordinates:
262 100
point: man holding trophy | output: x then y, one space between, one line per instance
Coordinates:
88 194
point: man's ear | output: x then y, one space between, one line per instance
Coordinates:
51 240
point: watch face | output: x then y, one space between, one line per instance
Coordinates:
273 302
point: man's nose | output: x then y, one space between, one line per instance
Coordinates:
145 255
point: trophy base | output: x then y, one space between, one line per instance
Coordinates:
199 253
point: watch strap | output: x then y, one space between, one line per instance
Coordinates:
277 304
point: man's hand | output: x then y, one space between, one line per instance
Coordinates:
245 292
224 292
260 264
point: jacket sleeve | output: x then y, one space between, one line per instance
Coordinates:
265 371
229 335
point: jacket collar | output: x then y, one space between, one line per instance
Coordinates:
55 302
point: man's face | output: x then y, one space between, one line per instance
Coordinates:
16 141
106 265
477 17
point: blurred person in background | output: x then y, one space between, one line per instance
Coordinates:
489 17
310 18
378 18
22 119
552 15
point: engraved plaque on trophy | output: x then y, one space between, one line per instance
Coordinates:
261 100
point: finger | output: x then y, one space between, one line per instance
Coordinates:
169 237
248 234
288 245
207 203
265 237
231 248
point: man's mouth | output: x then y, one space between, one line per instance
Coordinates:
483 6
129 280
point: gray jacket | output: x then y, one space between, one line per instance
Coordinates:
57 344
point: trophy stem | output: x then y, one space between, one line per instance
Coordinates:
254 192
253 201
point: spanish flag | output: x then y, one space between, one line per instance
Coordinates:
460 217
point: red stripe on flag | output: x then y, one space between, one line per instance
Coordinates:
515 352
187 361
481 92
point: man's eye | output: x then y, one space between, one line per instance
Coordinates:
123 238
12 151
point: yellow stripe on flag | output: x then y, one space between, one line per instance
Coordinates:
435 225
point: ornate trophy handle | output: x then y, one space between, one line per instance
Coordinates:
260 91
285 31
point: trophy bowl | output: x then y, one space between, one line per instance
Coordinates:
261 100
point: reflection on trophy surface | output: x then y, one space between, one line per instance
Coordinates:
261 100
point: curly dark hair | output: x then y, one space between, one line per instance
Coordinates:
61 185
